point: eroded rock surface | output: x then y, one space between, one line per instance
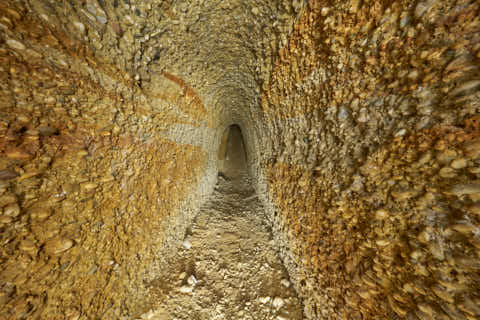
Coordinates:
227 267
360 120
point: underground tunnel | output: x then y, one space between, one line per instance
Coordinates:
231 153
348 188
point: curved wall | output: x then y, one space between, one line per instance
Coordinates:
360 120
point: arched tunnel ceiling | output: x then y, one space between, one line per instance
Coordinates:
213 44
361 124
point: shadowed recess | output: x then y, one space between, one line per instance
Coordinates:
233 157
355 123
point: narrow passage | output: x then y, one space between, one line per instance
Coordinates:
227 267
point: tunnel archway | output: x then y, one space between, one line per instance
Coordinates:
232 155
349 113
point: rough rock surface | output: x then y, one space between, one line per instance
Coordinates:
226 267
361 124
371 117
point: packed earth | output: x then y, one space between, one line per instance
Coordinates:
227 267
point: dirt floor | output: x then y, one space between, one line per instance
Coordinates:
227 267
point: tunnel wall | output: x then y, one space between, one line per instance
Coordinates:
96 178
360 122
370 148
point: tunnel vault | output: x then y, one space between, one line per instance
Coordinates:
360 120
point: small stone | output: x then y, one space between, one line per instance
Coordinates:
7 199
459 163
357 184
102 19
88 186
17 154
27 245
192 280
363 117
117 29
5 25
278 302
447 172
14 44
5 219
47 131
465 228
381 214
442 294
72 314
255 11
28 175
79 26
437 251
12 210
472 149
50 100
474 170
382 243
355 6
264 300
465 189
187 244
285 283
149 315
93 269
39 213
404 195
8 174
422 7
413 75
424 307
446 156
475 209
58 245
343 113
470 306
467 86
186 289
405 21
401 133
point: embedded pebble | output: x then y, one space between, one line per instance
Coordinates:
11 210
58 245
8 174
27 245
186 289
465 189
278 302
192 280
285 283
79 26
401 132
459 163
187 244
264 300
14 44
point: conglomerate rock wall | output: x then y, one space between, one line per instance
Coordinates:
372 134
360 120
95 180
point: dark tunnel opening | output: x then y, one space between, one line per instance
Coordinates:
232 154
